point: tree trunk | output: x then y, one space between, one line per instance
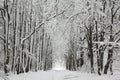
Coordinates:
109 60
15 34
110 50
98 55
90 45
6 34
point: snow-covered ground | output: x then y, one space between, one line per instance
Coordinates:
63 75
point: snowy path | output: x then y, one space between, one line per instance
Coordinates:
62 75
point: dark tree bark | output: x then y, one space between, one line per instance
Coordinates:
109 60
110 50
98 54
6 17
15 33
90 48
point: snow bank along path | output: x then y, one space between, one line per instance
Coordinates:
62 75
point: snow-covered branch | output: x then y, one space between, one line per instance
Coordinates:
102 43
42 23
1 37
116 11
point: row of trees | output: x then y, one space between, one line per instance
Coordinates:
80 33
95 36
27 47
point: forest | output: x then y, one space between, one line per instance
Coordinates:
75 35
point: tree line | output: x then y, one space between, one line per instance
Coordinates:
27 33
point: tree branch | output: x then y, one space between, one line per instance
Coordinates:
117 40
2 13
116 11
102 43
28 36
1 37
40 25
